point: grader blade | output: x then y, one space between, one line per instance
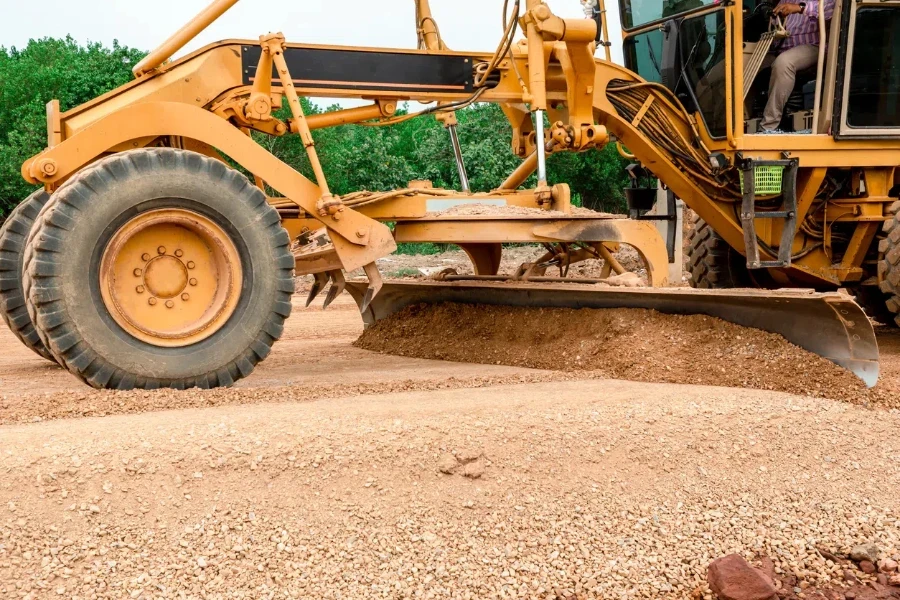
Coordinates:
830 324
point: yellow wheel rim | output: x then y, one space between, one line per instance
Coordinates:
170 277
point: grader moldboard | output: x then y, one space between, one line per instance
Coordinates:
146 260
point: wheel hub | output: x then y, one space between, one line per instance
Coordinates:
170 277
165 276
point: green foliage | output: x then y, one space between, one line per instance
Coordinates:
29 78
427 248
381 158
354 157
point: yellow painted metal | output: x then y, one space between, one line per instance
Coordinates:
560 75
170 277
641 235
183 36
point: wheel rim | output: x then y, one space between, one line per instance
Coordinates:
170 277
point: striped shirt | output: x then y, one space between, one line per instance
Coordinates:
804 25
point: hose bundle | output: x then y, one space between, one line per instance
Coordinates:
689 154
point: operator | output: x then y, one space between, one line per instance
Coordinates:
796 52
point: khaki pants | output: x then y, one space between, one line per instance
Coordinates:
784 74
711 89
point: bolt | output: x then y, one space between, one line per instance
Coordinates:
170 304
191 264
185 297
152 301
139 289
145 257
48 167
179 253
138 272
161 250
193 281
360 233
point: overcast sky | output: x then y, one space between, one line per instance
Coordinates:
465 24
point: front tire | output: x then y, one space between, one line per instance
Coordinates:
159 268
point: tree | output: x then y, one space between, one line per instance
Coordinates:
29 78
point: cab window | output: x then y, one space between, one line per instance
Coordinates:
636 13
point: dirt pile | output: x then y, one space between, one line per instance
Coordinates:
624 343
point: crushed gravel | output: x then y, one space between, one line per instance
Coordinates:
635 344
588 489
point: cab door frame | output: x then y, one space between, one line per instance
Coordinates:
840 127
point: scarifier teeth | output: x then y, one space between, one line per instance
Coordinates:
333 293
317 286
367 299
337 287
375 285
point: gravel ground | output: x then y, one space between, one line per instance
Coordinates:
597 489
338 473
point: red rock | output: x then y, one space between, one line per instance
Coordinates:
767 569
867 567
894 580
732 578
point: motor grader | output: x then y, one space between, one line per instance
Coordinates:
148 258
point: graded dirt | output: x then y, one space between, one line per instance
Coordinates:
635 344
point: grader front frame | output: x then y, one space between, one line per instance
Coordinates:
155 263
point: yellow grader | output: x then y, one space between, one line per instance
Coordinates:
147 259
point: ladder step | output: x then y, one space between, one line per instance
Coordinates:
788 215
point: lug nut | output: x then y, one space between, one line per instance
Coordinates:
170 304
161 250
145 257
191 264
152 301
138 272
193 281
185 297
179 253
139 289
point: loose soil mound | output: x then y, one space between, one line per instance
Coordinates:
623 343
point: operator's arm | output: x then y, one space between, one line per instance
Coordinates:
809 9
812 9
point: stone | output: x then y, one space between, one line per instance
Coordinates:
867 552
474 470
867 567
767 569
894 580
447 464
887 565
732 578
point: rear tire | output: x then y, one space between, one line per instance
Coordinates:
13 238
712 263
889 266
874 303
131 332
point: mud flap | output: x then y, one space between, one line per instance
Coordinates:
829 324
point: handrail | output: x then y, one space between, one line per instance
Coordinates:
820 69
183 36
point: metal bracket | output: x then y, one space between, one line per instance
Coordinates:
671 217
788 215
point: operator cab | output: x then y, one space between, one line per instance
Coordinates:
689 46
